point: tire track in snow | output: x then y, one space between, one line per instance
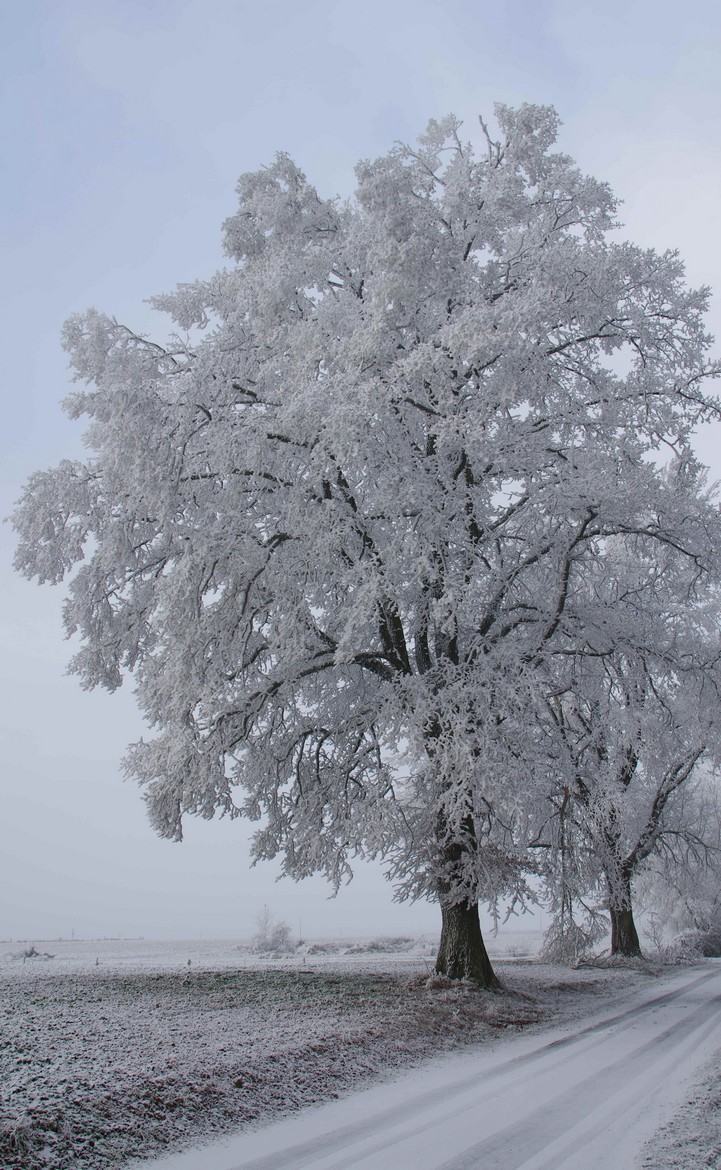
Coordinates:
537 1126
517 1145
340 1141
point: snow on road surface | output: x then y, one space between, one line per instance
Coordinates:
584 1097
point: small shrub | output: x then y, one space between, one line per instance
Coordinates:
271 936
695 944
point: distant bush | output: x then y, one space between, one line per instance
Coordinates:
319 948
31 953
695 944
272 936
381 946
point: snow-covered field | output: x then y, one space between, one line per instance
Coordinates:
116 1049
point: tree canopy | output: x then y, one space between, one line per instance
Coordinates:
344 525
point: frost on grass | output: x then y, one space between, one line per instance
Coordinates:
691 1139
97 1068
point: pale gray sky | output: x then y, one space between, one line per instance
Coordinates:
125 125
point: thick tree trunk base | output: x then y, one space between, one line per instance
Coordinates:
624 936
462 953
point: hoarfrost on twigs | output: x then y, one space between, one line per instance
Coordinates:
390 506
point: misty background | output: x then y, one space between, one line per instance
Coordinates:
125 125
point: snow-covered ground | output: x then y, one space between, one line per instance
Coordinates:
117 1049
585 1096
690 1139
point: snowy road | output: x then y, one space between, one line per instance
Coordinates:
582 1097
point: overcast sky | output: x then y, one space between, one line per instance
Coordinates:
125 126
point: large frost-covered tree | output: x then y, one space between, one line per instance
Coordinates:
333 529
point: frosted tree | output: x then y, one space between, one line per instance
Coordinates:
332 527
272 935
680 889
637 722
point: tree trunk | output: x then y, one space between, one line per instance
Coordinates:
624 936
462 953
